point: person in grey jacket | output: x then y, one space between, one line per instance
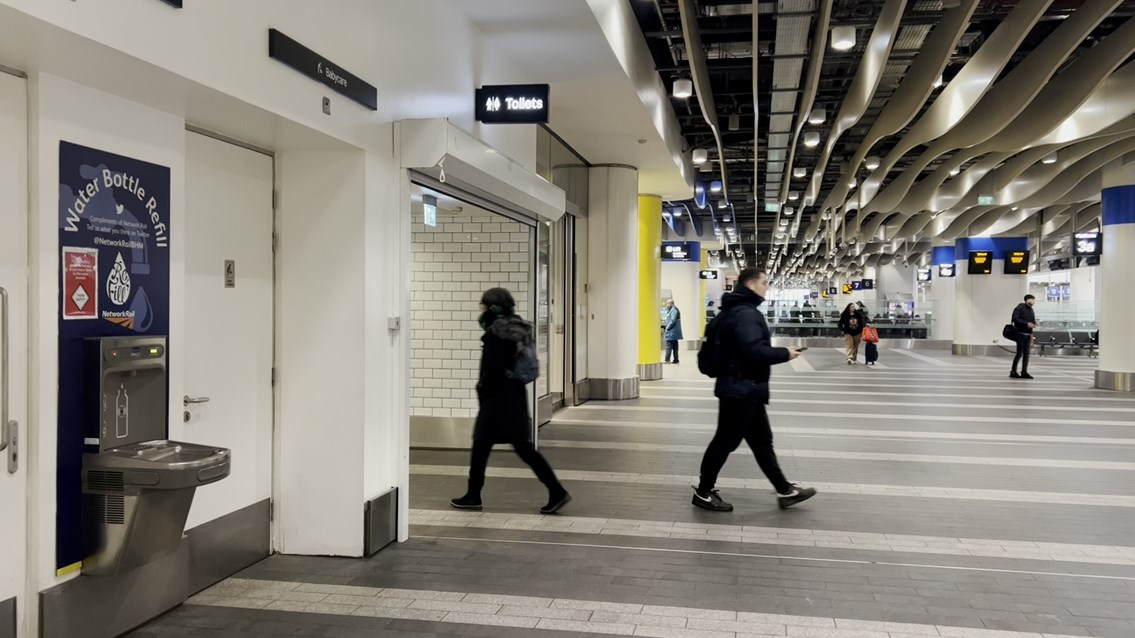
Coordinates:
673 330
742 389
1024 320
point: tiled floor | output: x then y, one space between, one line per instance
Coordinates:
954 502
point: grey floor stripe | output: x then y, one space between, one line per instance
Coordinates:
852 456
795 537
530 612
657 392
977 418
1027 439
761 485
920 357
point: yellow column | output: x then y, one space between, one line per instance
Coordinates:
649 287
701 292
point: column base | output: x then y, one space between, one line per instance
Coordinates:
614 389
1118 381
649 371
974 350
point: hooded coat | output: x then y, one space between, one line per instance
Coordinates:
503 416
746 343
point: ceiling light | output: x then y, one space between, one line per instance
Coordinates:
939 82
725 218
734 122
872 163
789 211
799 173
723 204
700 156
1049 159
793 196
811 139
852 184
715 187
683 88
677 212
817 116
955 170
843 38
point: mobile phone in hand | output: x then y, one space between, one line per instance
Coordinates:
802 348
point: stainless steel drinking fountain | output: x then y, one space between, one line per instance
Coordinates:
138 487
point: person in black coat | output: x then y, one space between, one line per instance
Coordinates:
1024 320
851 324
742 389
503 415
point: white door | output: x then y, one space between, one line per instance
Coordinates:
228 319
14 586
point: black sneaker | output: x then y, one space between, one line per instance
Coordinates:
712 501
1026 375
467 502
555 502
1014 375
797 495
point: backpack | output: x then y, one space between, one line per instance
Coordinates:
526 368
710 359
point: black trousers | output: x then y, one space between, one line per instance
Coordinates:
737 421
479 460
1024 344
672 347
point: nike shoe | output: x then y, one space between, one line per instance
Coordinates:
711 501
467 502
797 495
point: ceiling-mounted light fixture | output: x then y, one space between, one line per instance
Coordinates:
811 139
1049 159
872 163
955 170
726 219
843 38
734 122
715 187
683 88
799 172
677 212
789 211
700 156
939 82
723 204
793 196
817 116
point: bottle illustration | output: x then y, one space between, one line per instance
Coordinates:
122 413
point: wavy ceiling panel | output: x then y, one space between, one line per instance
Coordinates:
1055 107
862 88
962 93
999 107
915 89
695 52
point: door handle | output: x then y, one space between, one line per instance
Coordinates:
8 428
186 400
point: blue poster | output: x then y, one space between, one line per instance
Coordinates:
114 239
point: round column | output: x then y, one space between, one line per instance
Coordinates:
612 282
1117 304
649 286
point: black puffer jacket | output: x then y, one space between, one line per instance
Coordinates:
503 416
1023 315
747 353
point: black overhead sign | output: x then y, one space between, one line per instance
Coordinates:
707 274
319 68
512 104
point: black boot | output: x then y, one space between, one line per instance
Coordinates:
470 501
557 498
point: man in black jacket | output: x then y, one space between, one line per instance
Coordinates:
1024 320
742 389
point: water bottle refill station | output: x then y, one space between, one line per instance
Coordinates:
137 485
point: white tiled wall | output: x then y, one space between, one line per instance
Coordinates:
454 262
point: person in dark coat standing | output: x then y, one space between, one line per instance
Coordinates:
851 324
503 415
742 390
673 330
1024 320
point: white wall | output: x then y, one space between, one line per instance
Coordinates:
464 255
892 280
942 295
681 279
118 126
984 303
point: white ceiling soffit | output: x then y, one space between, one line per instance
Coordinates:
862 87
961 94
1007 98
433 146
915 88
807 98
695 53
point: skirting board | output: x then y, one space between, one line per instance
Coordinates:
107 606
8 618
381 522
